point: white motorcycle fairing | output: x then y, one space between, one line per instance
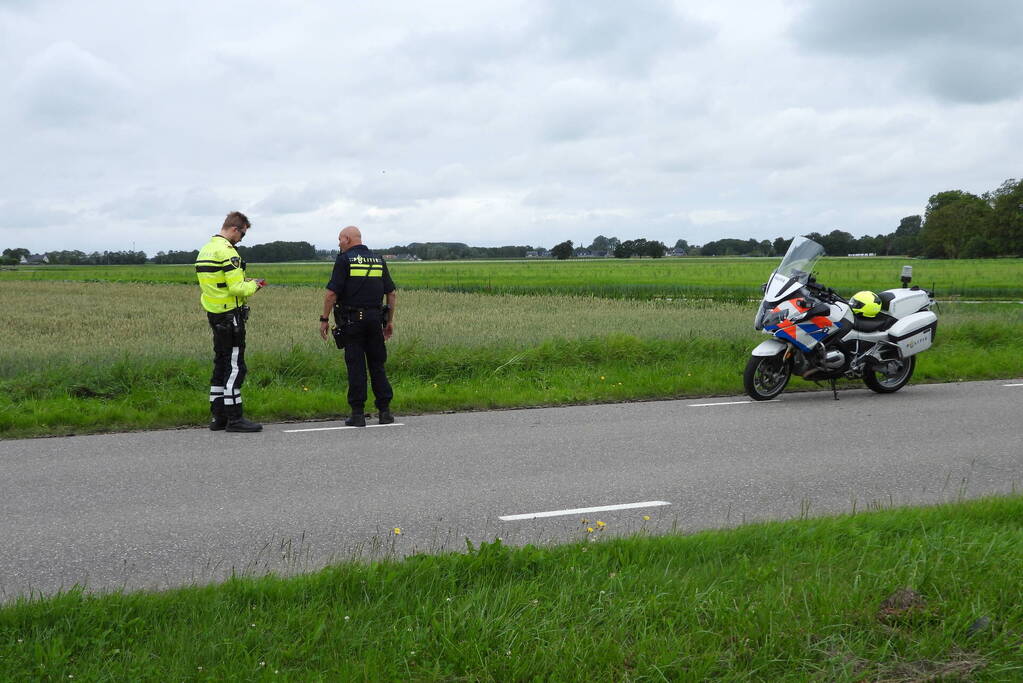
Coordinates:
769 347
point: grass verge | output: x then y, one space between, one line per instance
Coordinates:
300 385
125 394
113 367
908 594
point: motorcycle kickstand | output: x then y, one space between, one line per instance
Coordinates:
834 388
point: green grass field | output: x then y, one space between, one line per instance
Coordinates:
720 278
83 357
902 595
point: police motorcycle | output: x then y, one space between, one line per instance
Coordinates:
820 336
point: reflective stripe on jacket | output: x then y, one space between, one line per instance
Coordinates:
221 276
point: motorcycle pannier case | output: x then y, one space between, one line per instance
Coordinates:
914 333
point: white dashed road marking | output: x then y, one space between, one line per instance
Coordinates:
327 429
725 403
584 511
1013 385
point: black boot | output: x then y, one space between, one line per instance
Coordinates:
237 423
358 417
218 420
385 417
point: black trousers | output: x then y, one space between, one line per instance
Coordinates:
228 359
364 347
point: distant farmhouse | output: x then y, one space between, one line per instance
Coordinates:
35 259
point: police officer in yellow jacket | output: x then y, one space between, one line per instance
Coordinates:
221 274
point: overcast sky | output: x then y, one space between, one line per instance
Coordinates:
141 124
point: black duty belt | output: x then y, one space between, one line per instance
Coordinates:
359 313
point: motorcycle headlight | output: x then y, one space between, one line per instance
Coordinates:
773 318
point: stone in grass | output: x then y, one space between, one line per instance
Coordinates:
900 603
977 626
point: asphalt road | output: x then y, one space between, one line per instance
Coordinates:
173 507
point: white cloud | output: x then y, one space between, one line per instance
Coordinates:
713 216
519 121
956 50
64 86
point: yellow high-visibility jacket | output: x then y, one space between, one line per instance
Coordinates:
221 276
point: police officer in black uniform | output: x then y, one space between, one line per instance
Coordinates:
355 294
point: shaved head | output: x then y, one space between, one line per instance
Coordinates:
349 237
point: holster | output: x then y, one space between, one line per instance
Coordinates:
229 328
339 336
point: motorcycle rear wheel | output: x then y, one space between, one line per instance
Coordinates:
766 376
889 383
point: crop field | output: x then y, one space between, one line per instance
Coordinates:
99 356
736 279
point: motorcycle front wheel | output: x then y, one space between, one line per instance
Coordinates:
895 377
766 376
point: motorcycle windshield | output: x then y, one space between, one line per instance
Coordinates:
795 269
800 259
790 276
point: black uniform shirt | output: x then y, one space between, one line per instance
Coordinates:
360 278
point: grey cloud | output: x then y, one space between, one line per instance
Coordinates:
144 203
577 109
972 75
202 201
868 26
401 187
65 86
624 37
288 200
19 213
957 50
460 56
544 196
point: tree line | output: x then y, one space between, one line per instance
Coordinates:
434 251
271 252
955 224
75 257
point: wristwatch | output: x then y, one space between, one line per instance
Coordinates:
324 320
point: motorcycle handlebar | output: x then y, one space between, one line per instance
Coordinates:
824 293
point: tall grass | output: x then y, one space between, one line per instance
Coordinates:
86 321
719 278
88 357
801 600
